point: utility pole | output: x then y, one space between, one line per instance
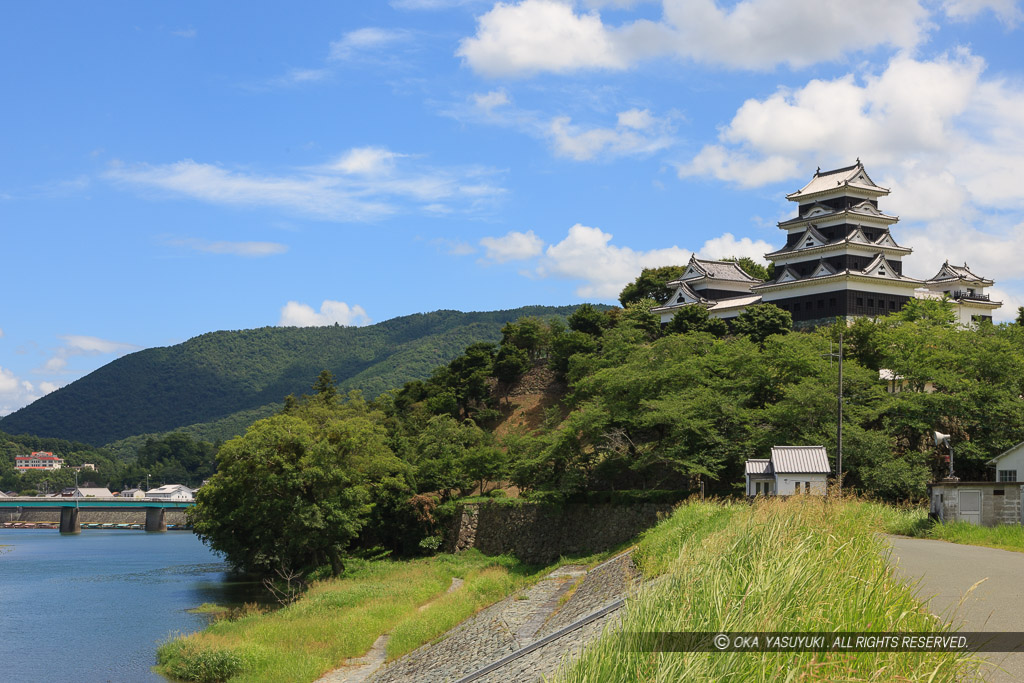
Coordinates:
839 412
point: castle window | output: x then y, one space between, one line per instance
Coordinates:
796 307
860 301
871 303
832 302
892 305
821 303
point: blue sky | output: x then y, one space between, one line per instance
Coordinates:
176 168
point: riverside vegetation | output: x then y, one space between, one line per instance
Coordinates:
718 567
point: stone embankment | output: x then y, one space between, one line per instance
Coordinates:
499 634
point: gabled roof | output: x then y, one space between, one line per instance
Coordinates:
950 272
715 270
94 492
800 460
822 269
1008 451
758 467
829 181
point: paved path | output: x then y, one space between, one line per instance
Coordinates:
946 572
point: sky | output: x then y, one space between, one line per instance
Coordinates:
171 169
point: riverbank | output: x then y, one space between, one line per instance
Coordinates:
340 619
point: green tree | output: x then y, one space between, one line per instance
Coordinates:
509 365
325 387
693 318
763 320
294 492
588 320
651 284
1020 316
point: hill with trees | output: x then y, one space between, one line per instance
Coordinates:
216 384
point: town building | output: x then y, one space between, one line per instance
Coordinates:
38 460
839 260
171 492
132 493
92 492
790 470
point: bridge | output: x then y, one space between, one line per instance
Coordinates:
69 508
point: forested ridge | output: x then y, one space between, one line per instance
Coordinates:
215 376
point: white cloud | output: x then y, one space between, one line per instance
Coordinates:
294 314
737 167
363 184
586 254
365 39
513 246
539 35
637 133
1 332
1006 11
16 393
366 161
185 33
489 101
247 249
535 36
83 345
727 246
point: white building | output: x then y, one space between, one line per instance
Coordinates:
965 289
92 493
170 492
39 460
790 470
133 493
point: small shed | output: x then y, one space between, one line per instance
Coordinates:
790 470
985 503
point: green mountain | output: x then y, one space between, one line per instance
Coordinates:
230 378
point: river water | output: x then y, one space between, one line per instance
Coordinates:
93 607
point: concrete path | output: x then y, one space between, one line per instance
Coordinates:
947 571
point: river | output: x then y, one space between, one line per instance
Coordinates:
93 607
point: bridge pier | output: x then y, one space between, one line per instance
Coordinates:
69 521
155 519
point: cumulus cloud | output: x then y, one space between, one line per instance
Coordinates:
490 100
539 35
295 314
532 36
362 184
513 246
247 249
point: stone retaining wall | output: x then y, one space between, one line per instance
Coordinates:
542 533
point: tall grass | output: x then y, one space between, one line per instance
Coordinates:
796 565
914 521
337 619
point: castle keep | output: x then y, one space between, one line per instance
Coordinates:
839 260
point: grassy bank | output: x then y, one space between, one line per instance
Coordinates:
914 522
339 619
796 565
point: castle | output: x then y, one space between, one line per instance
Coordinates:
839 260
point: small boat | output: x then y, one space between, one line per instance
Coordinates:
106 526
